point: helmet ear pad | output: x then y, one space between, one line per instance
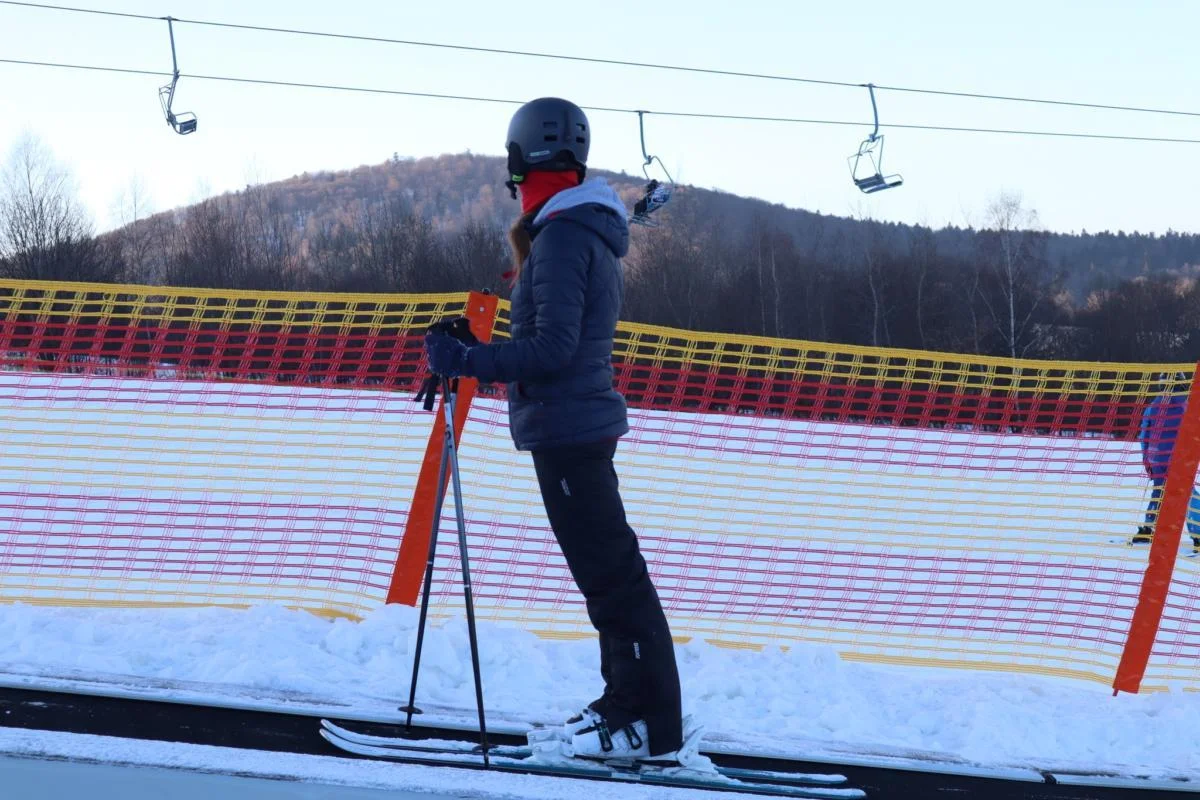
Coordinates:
518 168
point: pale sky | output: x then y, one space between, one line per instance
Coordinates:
109 130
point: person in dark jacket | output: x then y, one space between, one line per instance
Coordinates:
563 408
1157 433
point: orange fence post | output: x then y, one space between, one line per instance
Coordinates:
1164 548
414 547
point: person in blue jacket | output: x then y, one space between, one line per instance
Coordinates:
563 409
1157 433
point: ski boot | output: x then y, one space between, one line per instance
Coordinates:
631 743
627 743
553 744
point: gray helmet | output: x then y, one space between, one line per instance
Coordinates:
549 134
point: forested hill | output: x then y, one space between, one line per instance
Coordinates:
719 262
453 190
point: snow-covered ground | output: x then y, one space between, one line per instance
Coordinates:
804 701
126 492
51 765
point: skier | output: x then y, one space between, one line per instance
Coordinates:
1157 432
566 297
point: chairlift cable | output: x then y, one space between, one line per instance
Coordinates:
619 62
607 109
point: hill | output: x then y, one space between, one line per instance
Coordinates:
453 190
719 262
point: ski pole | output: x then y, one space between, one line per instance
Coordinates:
411 708
448 411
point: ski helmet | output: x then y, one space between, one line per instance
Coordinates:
549 134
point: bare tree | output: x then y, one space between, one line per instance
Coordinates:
922 253
135 239
210 251
45 233
385 242
271 238
1011 252
811 280
1144 319
667 279
331 254
476 257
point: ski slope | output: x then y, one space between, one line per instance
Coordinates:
805 702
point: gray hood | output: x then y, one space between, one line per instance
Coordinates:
595 205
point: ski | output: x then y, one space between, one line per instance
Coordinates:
1188 551
527 759
550 737
437 745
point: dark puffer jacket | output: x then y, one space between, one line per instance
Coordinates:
565 305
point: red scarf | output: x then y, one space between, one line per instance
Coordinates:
540 185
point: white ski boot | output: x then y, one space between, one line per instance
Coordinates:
687 759
584 719
553 744
630 743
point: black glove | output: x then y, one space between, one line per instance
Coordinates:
446 345
459 328
447 355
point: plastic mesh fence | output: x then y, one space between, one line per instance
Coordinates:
176 447
171 446
904 507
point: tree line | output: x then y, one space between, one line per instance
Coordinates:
1000 289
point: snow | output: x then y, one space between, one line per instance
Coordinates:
290 774
805 701
218 454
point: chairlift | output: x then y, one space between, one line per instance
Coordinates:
185 121
872 150
657 192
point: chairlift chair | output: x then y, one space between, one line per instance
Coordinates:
657 192
185 121
656 196
872 150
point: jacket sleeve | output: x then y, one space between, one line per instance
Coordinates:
1148 416
1160 423
559 264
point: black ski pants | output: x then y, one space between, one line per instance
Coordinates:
637 657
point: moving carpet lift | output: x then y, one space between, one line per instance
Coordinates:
876 181
185 121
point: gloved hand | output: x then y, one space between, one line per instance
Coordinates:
447 355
